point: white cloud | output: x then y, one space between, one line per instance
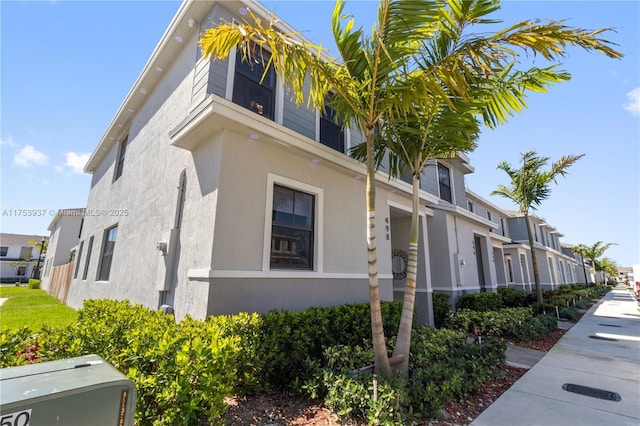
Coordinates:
29 156
634 101
9 142
76 162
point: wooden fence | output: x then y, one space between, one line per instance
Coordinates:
60 281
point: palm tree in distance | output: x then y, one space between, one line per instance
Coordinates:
530 186
379 76
591 253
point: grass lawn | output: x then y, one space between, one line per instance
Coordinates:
32 308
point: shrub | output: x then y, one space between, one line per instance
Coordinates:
441 308
34 284
293 340
480 302
569 313
516 323
182 371
512 298
442 367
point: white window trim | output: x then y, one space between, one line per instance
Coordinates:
318 224
278 114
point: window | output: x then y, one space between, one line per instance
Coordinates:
86 263
22 271
470 206
120 160
331 133
504 233
250 90
106 257
507 260
292 229
3 251
489 215
25 253
444 179
75 274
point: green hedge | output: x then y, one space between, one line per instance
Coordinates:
481 302
515 323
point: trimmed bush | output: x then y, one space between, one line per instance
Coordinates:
512 298
34 284
515 323
569 313
480 302
182 371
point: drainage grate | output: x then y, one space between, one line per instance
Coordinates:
592 392
609 339
610 325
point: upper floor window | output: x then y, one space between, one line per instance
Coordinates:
250 89
26 253
292 230
504 231
470 206
3 251
122 150
88 257
75 273
444 179
106 256
331 133
489 215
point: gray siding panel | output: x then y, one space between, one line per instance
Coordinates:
518 229
217 70
300 119
460 193
217 82
429 179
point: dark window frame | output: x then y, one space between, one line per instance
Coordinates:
3 251
249 85
122 151
288 227
331 130
88 258
78 260
106 254
444 183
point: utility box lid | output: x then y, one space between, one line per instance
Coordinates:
83 390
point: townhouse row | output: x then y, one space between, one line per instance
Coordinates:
213 193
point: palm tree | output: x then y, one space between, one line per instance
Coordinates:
440 133
378 76
592 253
530 185
607 266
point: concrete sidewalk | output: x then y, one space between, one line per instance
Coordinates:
590 377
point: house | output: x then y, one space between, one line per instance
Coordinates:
65 228
213 193
220 195
19 259
556 265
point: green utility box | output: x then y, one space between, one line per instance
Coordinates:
80 391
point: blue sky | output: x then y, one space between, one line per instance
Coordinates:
66 67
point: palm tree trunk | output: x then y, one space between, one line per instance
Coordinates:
381 359
403 343
534 260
